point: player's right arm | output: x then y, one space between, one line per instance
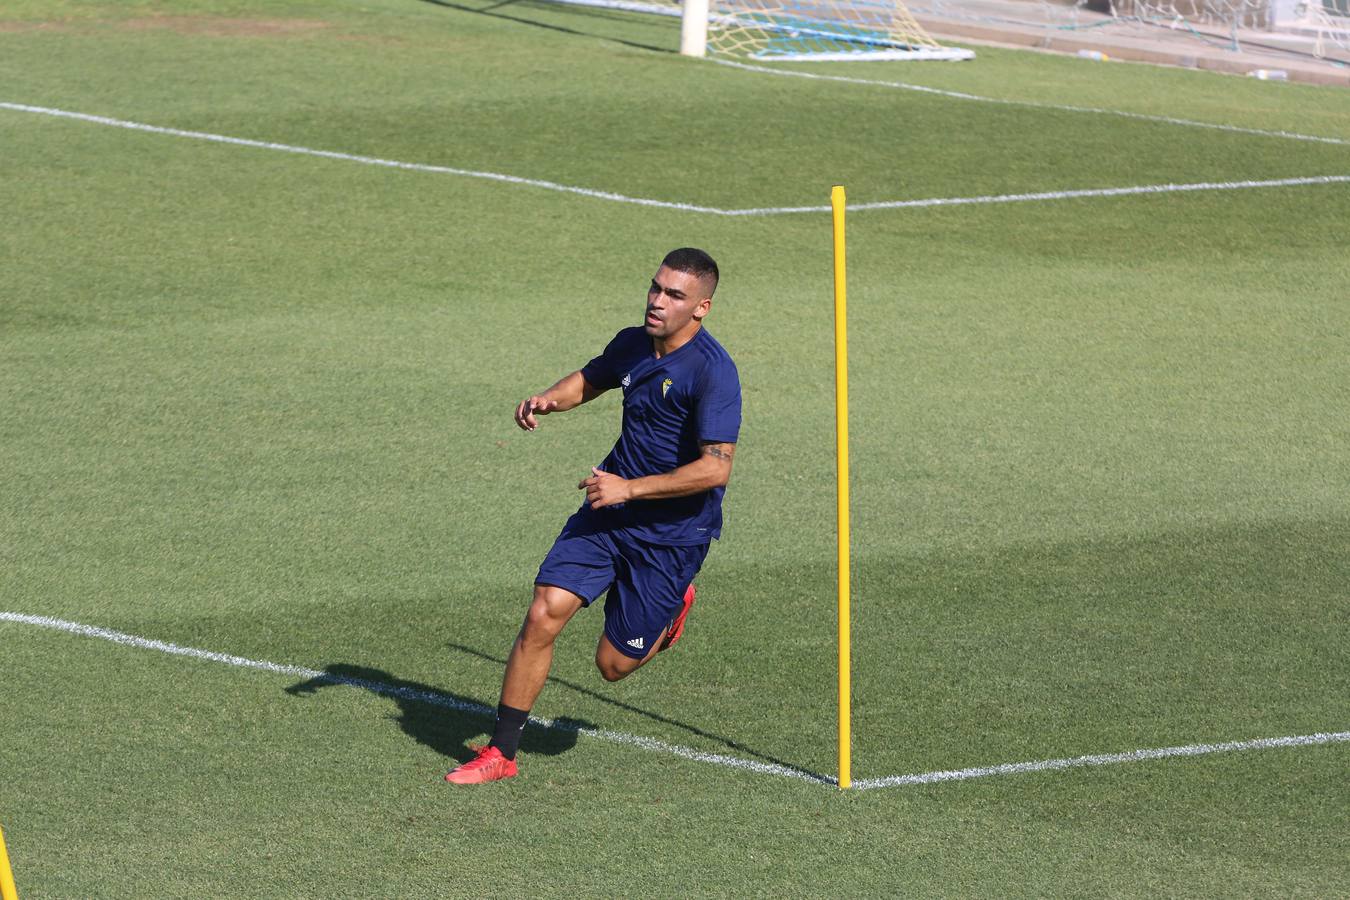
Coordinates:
570 392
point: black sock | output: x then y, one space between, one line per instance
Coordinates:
510 725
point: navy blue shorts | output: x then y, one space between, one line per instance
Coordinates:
646 582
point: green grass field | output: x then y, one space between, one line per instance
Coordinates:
258 403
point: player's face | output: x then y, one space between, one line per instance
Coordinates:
676 304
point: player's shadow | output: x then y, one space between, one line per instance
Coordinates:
576 12
437 719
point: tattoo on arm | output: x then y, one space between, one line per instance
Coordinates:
720 451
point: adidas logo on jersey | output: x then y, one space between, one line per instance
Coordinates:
627 380
636 643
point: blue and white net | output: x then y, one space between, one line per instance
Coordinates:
814 30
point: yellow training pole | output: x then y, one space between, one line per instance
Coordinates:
841 452
7 889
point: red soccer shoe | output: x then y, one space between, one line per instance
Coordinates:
676 630
488 765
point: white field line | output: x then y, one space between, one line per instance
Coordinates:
1056 195
431 697
1032 104
667 204
352 157
618 737
1105 759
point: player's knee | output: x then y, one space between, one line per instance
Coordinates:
548 613
612 666
537 617
610 672
539 629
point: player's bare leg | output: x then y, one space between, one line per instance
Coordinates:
532 654
526 671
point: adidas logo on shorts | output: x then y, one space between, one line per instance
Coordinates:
636 643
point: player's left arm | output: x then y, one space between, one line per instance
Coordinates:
712 469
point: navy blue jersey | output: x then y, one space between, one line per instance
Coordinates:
670 405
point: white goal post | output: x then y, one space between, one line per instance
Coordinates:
694 28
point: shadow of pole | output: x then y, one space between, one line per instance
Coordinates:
489 11
628 707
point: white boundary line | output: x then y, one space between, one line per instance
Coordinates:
1057 195
685 207
1032 104
432 697
351 157
618 737
1106 759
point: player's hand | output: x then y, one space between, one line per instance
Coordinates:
605 489
534 406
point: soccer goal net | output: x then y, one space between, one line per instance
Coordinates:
818 30
795 30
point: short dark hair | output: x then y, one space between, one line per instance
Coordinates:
695 262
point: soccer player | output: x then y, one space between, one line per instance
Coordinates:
652 507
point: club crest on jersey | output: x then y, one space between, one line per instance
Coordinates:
665 386
627 379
